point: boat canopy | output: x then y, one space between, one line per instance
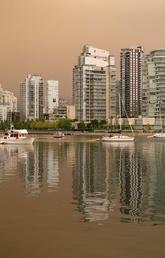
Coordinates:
22 131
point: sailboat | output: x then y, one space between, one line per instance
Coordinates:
119 138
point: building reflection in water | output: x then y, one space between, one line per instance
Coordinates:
141 180
126 179
10 155
108 175
42 168
154 154
130 173
127 161
38 165
91 183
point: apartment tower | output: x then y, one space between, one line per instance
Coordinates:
51 96
131 60
32 97
94 84
154 84
8 103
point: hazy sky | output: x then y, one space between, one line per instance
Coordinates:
46 36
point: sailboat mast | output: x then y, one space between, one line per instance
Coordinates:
120 112
127 117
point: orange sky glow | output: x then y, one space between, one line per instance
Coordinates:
46 36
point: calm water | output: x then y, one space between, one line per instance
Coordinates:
59 196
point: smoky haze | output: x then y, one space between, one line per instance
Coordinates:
46 36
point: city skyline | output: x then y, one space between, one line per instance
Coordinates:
48 43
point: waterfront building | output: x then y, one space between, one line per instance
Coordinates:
131 61
154 84
61 112
32 97
8 103
94 85
51 96
70 112
65 112
13 116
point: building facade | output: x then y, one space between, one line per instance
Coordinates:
8 103
94 81
51 96
71 112
154 84
32 97
131 61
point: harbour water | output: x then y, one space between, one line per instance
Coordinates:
76 197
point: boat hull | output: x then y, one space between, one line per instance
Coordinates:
159 135
58 137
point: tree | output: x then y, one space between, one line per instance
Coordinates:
64 124
94 124
103 124
81 126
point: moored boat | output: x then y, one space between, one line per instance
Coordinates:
58 135
159 135
120 137
15 136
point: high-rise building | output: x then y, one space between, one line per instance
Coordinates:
51 96
154 84
131 80
32 97
8 103
94 84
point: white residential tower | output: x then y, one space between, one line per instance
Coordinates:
94 83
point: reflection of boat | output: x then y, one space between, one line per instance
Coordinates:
15 136
117 138
121 145
16 149
58 135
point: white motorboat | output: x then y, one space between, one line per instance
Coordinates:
159 135
117 138
15 136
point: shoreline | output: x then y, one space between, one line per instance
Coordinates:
79 133
85 133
